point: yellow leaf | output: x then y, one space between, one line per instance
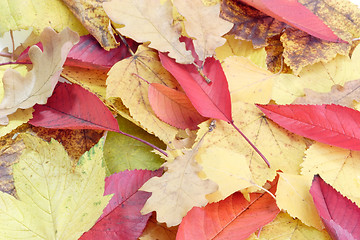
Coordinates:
142 25
248 82
55 202
337 166
124 82
39 83
319 77
204 24
231 175
293 196
38 14
16 119
178 190
284 150
242 48
285 227
92 15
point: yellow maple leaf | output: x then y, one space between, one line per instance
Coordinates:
204 24
337 166
319 77
38 14
293 196
55 201
39 83
178 190
142 25
124 82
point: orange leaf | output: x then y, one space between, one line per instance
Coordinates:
173 107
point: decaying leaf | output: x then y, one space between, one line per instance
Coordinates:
55 202
93 17
178 190
142 25
159 231
39 83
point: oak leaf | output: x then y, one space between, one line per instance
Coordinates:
55 201
39 83
178 190
142 25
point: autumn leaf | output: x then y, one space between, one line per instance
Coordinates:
159 231
38 84
178 189
121 218
143 26
340 216
55 202
330 124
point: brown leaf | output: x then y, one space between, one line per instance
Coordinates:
158 231
274 58
92 15
249 23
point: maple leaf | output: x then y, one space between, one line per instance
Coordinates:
178 189
204 25
38 84
55 202
340 216
142 25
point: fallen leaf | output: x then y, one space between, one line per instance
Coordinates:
123 153
274 56
293 196
209 99
121 218
232 218
37 14
340 95
72 107
178 189
93 17
50 190
123 79
173 107
16 119
142 25
204 25
341 217
39 83
158 231
331 124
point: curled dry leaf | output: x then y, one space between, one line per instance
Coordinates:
39 83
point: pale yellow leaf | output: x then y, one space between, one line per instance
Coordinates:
124 82
337 166
143 25
16 119
178 190
39 83
285 227
247 81
204 24
55 201
293 195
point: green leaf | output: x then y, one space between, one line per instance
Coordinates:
124 153
55 201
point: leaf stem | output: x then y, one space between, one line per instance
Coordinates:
9 63
251 144
145 142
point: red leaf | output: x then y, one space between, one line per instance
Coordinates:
296 15
121 219
72 107
209 99
340 216
331 124
232 218
173 107
88 53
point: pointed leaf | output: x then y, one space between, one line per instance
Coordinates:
232 218
331 124
121 219
173 107
210 99
73 107
340 216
